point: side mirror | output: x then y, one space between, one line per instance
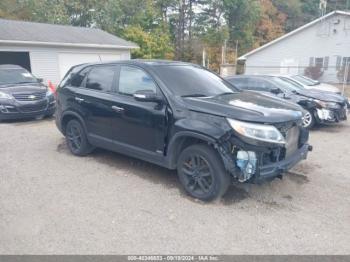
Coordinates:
40 80
147 96
275 91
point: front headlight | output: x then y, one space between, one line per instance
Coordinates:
260 132
5 96
324 104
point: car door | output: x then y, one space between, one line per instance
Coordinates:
94 100
139 125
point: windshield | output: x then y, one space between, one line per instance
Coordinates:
292 84
285 85
188 80
305 81
16 76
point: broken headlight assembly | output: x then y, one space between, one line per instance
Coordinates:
324 104
265 133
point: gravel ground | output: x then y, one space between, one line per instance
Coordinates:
54 203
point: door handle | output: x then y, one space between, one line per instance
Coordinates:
79 99
117 108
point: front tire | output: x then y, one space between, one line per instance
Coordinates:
76 139
202 173
50 115
309 119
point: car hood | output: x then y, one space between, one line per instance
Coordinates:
324 96
23 88
324 87
247 106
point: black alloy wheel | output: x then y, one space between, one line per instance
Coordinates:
202 173
76 139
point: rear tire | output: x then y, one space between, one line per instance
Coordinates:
202 173
76 139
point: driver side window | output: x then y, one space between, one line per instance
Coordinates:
133 79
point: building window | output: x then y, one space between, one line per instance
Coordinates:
319 62
339 60
311 61
326 63
346 60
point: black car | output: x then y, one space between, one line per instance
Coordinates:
320 106
180 116
22 95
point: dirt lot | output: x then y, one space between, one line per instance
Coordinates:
54 203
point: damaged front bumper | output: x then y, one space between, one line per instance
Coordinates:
331 115
273 170
254 163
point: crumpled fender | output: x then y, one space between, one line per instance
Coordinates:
208 128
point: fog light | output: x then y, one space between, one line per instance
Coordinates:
246 161
3 109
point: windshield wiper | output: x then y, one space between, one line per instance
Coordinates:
24 82
194 95
226 93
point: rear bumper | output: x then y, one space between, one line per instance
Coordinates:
270 171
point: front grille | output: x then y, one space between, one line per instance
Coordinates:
292 140
34 108
29 96
285 127
341 114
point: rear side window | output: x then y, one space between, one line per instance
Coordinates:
133 79
101 78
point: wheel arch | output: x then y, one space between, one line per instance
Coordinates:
70 115
182 140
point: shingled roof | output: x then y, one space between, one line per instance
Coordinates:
18 32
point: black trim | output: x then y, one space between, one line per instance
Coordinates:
70 113
173 145
129 150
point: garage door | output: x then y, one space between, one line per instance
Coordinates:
16 58
67 60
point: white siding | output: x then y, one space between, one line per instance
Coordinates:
45 62
44 65
319 40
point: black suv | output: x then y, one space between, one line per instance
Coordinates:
181 116
22 95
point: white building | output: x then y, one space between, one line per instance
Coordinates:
48 51
324 42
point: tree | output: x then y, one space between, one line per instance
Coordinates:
241 18
270 25
153 45
292 9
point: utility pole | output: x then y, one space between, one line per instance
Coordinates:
203 57
236 53
346 75
225 51
323 7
